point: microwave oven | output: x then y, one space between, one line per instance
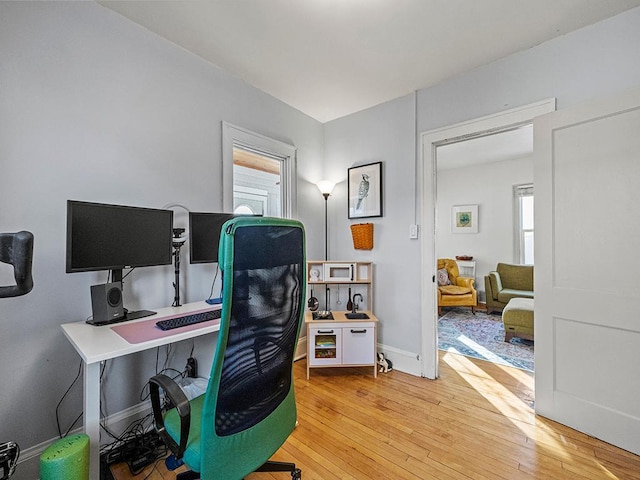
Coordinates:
339 272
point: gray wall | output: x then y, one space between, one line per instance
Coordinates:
93 107
592 62
490 186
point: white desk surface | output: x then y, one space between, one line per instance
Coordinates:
95 344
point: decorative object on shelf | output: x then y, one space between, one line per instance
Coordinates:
385 364
326 187
464 258
362 234
314 274
464 219
365 190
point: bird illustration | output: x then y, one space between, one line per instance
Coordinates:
363 190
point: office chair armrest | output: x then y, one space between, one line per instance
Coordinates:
181 402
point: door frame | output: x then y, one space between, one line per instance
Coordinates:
429 141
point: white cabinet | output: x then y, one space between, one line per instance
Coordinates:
358 344
341 342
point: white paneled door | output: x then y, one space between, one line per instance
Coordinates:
587 282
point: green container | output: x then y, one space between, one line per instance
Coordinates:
66 459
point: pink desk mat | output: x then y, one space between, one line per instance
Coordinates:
139 332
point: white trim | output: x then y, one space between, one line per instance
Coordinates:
429 140
231 135
117 422
403 361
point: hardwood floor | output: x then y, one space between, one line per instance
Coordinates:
475 422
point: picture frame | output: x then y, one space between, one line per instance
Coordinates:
364 185
464 219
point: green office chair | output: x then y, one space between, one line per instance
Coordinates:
248 410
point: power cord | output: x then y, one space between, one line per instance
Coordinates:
60 403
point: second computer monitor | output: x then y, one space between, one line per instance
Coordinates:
204 235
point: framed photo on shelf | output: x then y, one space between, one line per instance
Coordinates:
365 190
464 219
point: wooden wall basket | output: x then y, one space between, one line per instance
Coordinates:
362 234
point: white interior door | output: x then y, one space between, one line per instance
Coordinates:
587 303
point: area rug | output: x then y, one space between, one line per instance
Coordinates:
482 336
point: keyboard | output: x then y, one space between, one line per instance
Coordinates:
177 322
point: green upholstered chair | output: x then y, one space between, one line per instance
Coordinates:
249 409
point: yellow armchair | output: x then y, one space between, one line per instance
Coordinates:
454 290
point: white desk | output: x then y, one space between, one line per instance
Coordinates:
97 344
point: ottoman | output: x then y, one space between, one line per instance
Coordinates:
517 318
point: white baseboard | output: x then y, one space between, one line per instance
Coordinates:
29 461
403 361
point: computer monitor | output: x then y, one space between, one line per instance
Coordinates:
113 237
204 235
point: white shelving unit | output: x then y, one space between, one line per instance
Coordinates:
341 341
338 277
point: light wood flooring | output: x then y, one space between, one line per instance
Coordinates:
475 422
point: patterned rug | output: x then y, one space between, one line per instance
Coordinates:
482 336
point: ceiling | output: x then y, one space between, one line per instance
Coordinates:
497 147
330 58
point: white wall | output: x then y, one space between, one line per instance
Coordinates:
96 108
385 133
490 186
592 62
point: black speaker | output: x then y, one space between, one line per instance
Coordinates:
106 302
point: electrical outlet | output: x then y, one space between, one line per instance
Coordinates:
413 231
192 367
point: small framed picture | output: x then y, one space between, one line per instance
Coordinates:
365 190
464 219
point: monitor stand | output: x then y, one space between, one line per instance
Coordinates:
138 314
127 316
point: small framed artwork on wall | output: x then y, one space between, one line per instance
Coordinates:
365 190
464 219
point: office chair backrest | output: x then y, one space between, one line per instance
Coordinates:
250 396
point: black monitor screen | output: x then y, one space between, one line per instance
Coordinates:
204 235
112 237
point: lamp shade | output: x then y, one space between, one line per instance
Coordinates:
326 186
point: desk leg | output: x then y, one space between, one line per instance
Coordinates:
92 416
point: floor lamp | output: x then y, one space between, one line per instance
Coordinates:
326 187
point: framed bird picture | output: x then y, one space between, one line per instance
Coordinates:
365 190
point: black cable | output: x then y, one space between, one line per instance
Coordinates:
60 403
215 276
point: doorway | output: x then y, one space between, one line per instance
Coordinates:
482 175
431 141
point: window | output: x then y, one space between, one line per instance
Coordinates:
259 174
256 183
524 223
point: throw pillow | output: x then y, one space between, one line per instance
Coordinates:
443 277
